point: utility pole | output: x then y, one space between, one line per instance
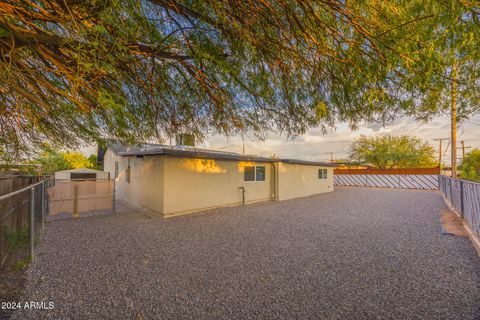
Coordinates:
463 148
332 160
440 150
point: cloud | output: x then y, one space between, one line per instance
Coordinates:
315 145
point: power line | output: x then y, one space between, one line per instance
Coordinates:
446 148
418 127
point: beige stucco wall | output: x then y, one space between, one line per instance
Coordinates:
145 189
172 185
295 180
197 184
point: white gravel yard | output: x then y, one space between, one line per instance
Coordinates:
352 254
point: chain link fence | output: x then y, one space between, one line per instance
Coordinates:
464 198
22 216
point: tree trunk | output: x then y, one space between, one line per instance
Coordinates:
453 120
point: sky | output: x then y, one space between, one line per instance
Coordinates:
317 146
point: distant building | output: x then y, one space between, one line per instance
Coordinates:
81 174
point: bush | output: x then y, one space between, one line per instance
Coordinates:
17 238
470 167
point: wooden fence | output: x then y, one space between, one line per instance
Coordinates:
411 178
13 182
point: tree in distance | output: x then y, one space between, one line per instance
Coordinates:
470 167
389 151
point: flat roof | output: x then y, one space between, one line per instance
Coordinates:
196 153
308 163
190 152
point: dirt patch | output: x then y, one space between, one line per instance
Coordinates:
452 224
12 279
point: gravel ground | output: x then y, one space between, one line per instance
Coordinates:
354 253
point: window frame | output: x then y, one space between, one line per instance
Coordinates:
245 173
264 173
255 174
322 174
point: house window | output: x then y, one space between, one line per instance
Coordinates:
322 173
259 173
116 169
254 173
249 174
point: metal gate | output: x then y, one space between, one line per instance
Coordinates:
79 197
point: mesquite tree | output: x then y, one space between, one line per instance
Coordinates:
388 151
137 70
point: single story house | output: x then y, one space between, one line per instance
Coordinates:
178 180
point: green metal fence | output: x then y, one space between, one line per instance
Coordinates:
464 197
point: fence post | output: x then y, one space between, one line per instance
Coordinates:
32 222
451 192
113 195
75 201
43 204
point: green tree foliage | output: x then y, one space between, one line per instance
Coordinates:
54 160
388 151
76 160
147 69
92 162
470 167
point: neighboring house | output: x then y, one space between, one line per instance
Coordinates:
178 180
81 174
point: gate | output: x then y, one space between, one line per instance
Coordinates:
79 197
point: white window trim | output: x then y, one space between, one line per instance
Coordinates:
254 174
326 174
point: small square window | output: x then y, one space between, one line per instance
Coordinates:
322 173
259 173
249 173
252 173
